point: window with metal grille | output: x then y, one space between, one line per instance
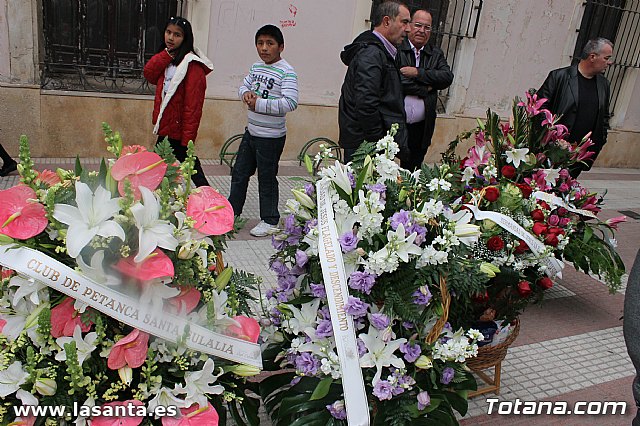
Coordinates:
453 21
102 45
618 21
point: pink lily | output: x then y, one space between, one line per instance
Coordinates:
24 421
477 156
140 169
119 421
156 265
2 324
194 416
21 215
614 221
65 317
533 104
539 178
249 329
132 149
583 153
211 211
186 301
48 177
130 350
590 205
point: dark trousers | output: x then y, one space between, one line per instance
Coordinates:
348 154
180 151
262 154
6 158
631 327
417 149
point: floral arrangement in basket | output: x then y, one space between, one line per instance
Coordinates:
519 172
406 250
107 255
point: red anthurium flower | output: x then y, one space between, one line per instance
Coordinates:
249 329
524 288
64 319
187 300
117 420
21 215
141 169
211 211
545 283
495 243
156 265
130 350
491 193
194 416
48 177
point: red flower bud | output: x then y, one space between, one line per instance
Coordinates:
491 193
481 298
522 247
537 215
539 228
545 283
495 243
508 171
524 289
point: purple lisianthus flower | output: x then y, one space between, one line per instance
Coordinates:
309 225
269 293
301 258
383 390
282 297
318 290
337 410
276 316
324 329
380 188
402 217
408 325
362 348
277 242
362 281
424 400
421 233
380 321
324 312
356 307
307 364
309 189
278 267
422 296
287 282
295 380
348 241
352 179
447 375
411 352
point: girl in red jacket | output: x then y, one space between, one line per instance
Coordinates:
179 72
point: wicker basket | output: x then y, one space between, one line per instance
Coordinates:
439 325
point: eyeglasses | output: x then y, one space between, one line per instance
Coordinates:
418 26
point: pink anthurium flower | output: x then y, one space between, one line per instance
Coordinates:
21 215
141 169
6 273
130 350
194 416
156 265
211 211
2 324
64 319
248 329
186 301
116 420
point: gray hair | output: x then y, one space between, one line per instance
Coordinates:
594 46
390 8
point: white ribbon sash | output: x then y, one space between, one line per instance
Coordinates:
554 266
335 283
126 309
557 201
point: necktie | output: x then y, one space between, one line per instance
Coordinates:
417 57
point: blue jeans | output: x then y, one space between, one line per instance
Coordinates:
262 154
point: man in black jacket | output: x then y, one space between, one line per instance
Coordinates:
580 93
371 96
424 71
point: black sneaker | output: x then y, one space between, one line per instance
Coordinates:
8 168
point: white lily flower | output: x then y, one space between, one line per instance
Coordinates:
28 289
90 218
152 232
96 271
400 245
516 156
468 174
466 232
16 320
155 292
551 176
165 398
81 420
380 354
338 174
12 378
198 385
305 318
84 346
27 398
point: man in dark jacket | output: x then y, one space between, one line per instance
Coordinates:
371 95
580 93
632 328
424 71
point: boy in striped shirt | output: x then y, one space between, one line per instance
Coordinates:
270 90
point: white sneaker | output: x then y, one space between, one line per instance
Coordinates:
263 229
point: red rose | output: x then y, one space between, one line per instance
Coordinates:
495 243
562 211
539 228
491 193
545 283
508 171
555 230
537 215
522 247
544 205
551 240
525 189
524 289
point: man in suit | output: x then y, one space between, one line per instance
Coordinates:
424 71
580 93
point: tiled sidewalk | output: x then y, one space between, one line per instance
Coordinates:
570 348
